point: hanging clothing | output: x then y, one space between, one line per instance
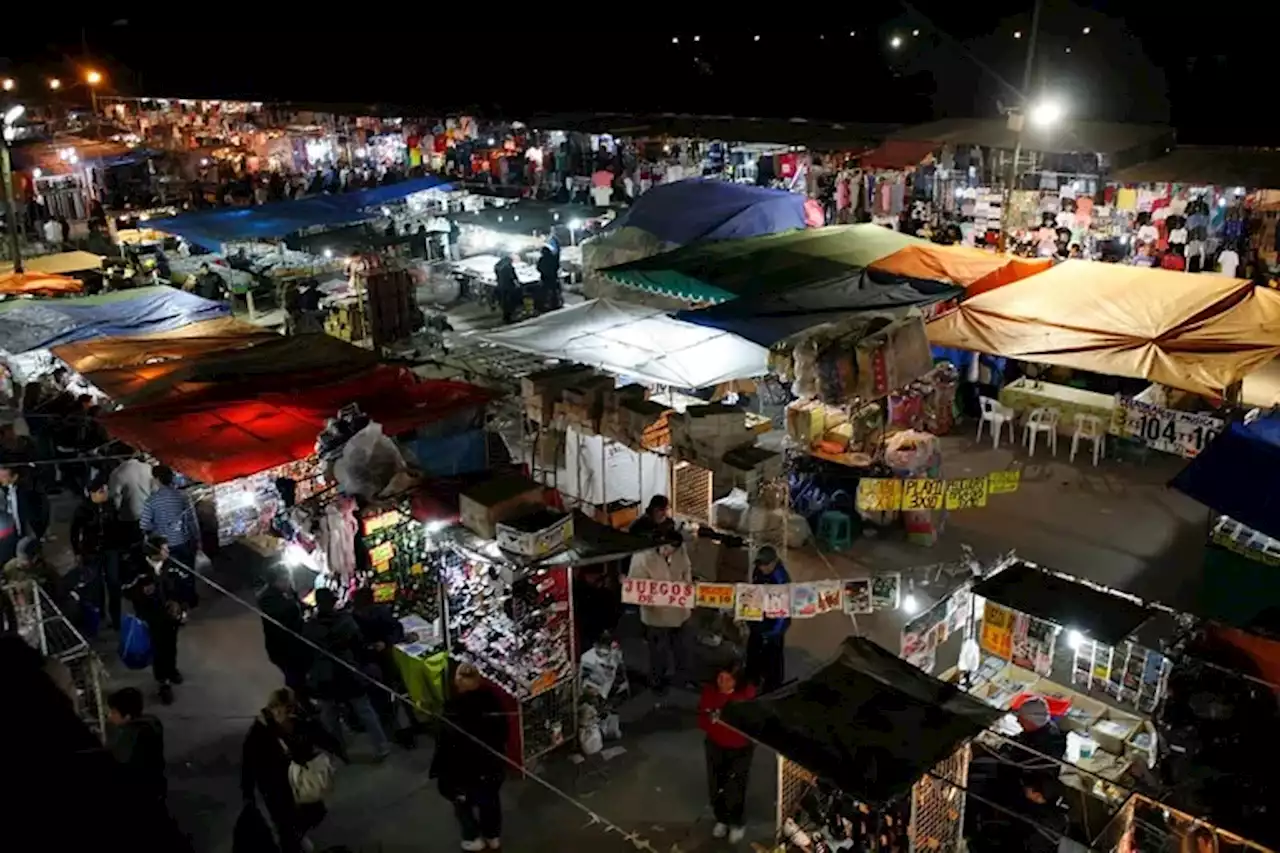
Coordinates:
338 533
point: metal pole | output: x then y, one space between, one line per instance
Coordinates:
1021 118
10 207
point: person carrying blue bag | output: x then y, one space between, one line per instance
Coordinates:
160 600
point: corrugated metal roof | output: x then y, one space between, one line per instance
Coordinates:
1253 168
1071 137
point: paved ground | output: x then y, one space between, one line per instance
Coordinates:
1115 524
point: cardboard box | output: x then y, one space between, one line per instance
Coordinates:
541 391
536 534
502 498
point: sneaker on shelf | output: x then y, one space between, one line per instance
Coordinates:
719 831
736 834
473 845
494 843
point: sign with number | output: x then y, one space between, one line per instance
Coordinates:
1167 430
967 493
1003 482
652 593
922 494
879 495
997 630
717 595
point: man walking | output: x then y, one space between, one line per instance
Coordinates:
97 540
161 601
282 626
169 513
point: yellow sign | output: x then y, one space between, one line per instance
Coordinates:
923 494
717 595
967 493
997 630
1003 482
879 495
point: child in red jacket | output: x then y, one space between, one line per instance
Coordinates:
728 752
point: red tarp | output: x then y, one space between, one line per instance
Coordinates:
899 154
214 442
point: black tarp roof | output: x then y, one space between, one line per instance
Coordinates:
868 722
1099 615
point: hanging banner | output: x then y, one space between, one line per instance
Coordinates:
749 604
857 596
1003 482
718 596
923 494
1183 434
804 600
997 630
879 495
652 593
969 493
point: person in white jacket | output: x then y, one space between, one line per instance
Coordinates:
663 626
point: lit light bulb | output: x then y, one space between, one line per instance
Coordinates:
757 38
895 42
1017 34
1074 639
910 605
915 32
55 83
1086 31
675 40
9 84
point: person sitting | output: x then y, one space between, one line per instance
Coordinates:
209 285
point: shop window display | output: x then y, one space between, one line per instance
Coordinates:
400 568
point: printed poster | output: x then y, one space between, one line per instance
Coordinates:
997 630
1003 482
655 593
718 596
879 495
804 600
886 590
749 604
777 600
828 596
923 494
968 493
857 596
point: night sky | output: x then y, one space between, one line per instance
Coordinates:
1147 65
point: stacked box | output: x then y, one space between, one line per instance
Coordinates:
748 468
582 403
613 420
541 391
484 505
708 432
645 423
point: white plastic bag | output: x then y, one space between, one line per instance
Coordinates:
591 739
369 461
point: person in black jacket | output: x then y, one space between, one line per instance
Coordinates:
508 293
98 542
334 676
282 626
137 743
28 506
283 734
469 763
381 631
160 600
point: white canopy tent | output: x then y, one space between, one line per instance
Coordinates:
636 341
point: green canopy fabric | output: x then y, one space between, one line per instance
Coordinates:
723 270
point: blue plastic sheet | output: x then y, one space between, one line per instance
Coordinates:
1236 475
686 211
41 324
212 228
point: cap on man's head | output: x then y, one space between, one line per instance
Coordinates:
1033 713
766 555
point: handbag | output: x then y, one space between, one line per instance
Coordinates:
135 643
312 781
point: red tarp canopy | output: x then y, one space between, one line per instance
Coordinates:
899 154
215 442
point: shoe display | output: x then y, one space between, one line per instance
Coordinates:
719 831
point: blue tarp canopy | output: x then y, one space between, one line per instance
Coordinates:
1237 473
212 228
27 325
684 212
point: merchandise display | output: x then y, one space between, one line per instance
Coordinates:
248 506
515 624
401 568
819 818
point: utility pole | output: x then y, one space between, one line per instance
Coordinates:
1017 121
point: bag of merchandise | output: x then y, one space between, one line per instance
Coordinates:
368 463
135 643
313 781
590 738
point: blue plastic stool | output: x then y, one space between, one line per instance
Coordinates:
835 531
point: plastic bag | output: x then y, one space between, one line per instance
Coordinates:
135 643
591 739
369 461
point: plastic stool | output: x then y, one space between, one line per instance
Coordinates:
835 531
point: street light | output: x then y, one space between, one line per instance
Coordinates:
93 78
895 42
6 174
9 84
1046 113
55 83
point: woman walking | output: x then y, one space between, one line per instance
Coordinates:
728 753
469 763
281 736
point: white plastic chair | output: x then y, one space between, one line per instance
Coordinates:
1041 420
1089 427
997 414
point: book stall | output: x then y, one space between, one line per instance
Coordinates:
873 754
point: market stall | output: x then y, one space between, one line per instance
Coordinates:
873 754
